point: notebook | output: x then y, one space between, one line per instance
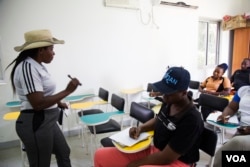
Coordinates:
123 139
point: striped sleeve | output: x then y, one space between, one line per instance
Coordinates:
31 80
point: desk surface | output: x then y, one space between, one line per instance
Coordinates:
131 91
98 119
81 105
13 104
11 115
87 104
221 125
148 98
75 98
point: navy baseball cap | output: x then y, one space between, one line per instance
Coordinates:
176 79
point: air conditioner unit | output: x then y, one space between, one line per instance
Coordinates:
129 4
193 4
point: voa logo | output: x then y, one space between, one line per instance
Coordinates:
236 158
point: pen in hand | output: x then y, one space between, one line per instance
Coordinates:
72 78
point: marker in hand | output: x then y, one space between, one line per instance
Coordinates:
72 78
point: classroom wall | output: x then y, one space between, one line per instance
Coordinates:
114 48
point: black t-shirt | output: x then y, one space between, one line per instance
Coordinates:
240 78
181 132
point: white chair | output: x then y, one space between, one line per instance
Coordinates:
214 103
193 88
83 107
74 100
103 96
139 113
101 123
128 93
147 100
12 116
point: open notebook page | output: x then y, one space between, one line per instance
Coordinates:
123 138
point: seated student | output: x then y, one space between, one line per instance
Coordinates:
217 85
240 105
241 76
241 141
177 130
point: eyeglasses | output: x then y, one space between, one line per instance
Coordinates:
165 121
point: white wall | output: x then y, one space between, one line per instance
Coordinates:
108 47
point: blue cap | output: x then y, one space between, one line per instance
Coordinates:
176 79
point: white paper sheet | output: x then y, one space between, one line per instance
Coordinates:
232 120
123 138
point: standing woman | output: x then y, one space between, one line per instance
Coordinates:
37 124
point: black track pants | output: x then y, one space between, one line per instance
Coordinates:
47 139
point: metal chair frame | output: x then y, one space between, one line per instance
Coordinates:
216 103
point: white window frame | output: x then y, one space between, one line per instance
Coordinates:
204 60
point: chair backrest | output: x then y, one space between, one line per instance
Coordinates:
149 87
213 102
117 102
208 143
194 89
140 112
194 84
103 94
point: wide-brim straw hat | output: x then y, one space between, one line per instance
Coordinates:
38 39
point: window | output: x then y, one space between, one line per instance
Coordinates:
208 43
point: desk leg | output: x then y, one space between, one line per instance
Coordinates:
127 100
23 155
84 136
91 144
149 104
222 135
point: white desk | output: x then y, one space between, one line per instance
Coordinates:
77 98
13 104
98 119
129 92
223 127
11 116
148 99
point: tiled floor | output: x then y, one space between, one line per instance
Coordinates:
79 158
11 157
